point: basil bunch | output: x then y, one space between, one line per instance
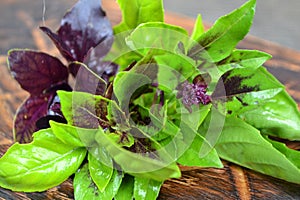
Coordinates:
145 99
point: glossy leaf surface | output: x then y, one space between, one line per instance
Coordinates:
146 188
278 116
125 191
243 144
72 135
40 165
101 167
85 188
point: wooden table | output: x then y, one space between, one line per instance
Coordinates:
231 182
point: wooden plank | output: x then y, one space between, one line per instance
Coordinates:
231 182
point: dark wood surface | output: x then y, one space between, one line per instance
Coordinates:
18 28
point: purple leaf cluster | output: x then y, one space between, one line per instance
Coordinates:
86 36
84 32
38 74
193 93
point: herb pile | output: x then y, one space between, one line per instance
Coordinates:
147 97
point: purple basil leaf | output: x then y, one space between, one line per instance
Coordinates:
83 27
87 81
61 46
100 50
34 108
87 24
54 108
94 61
36 71
33 113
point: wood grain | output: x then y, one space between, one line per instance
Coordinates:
231 182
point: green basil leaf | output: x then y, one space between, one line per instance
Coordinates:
175 140
192 157
158 127
121 54
188 148
40 165
159 133
113 186
291 154
136 12
117 116
144 101
174 69
83 110
242 144
146 188
75 136
139 165
243 59
245 89
185 146
118 138
221 39
100 167
210 130
125 85
198 28
125 191
278 116
158 115
85 188
240 59
196 118
156 35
